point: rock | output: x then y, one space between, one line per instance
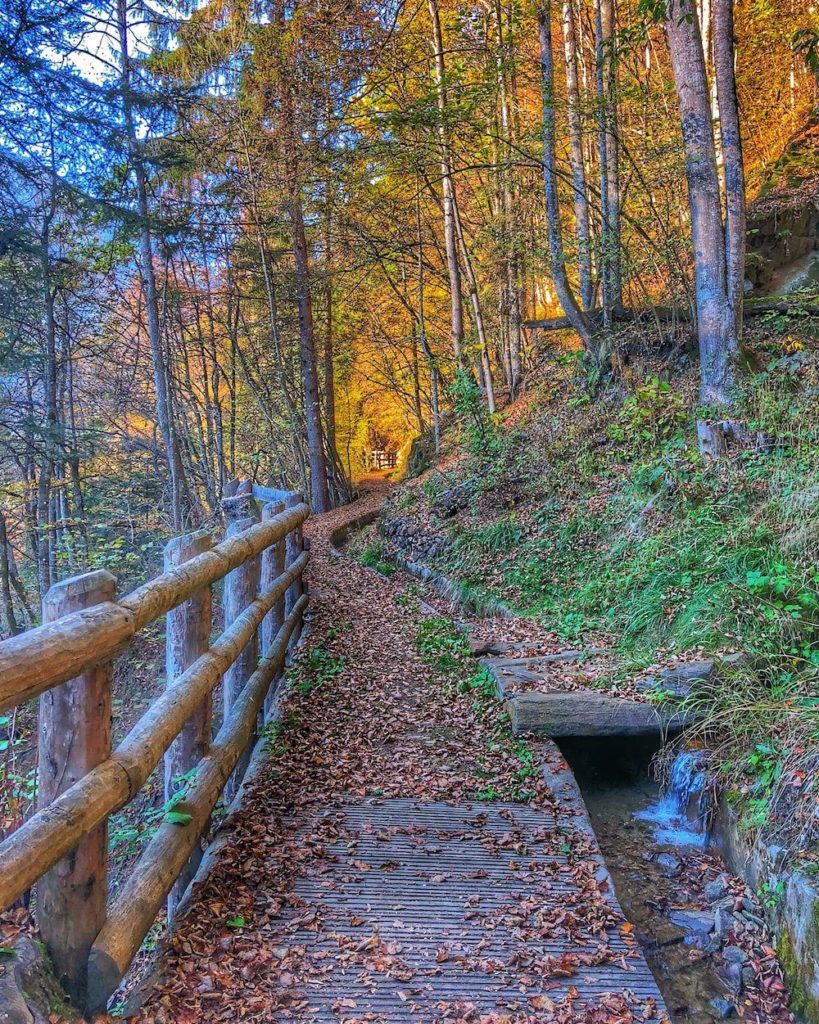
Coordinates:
14 1007
28 992
698 923
479 648
731 977
734 955
681 680
748 975
734 661
723 922
723 1008
716 890
671 865
752 920
688 670
454 500
585 713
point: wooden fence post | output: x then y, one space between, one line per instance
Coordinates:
294 545
74 737
272 566
187 638
241 587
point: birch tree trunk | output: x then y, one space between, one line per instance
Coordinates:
609 156
581 199
716 325
734 166
511 301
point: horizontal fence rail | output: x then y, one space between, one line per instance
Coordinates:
58 651
62 848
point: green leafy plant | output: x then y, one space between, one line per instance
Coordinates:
315 668
652 413
771 894
375 557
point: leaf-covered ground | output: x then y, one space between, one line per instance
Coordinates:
371 712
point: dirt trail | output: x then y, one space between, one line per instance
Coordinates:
380 868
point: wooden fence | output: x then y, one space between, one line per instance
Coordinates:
67 662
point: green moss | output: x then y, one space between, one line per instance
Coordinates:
803 1003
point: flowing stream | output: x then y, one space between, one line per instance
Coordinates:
653 848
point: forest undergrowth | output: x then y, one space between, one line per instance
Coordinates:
596 517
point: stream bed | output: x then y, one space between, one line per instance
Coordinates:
666 881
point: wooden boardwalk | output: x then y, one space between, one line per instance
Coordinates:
457 910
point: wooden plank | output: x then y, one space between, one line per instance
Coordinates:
436 885
187 637
74 736
52 833
138 903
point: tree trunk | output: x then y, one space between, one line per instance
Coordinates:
563 288
163 403
5 579
511 301
581 199
608 149
447 186
735 224
319 488
329 373
477 312
422 327
716 326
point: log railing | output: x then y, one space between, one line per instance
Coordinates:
67 662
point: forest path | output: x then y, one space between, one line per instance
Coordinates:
383 866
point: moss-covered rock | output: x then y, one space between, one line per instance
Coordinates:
29 993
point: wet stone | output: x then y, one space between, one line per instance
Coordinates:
715 890
699 924
723 1008
723 922
671 865
731 977
752 920
734 955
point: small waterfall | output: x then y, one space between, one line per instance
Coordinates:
682 814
